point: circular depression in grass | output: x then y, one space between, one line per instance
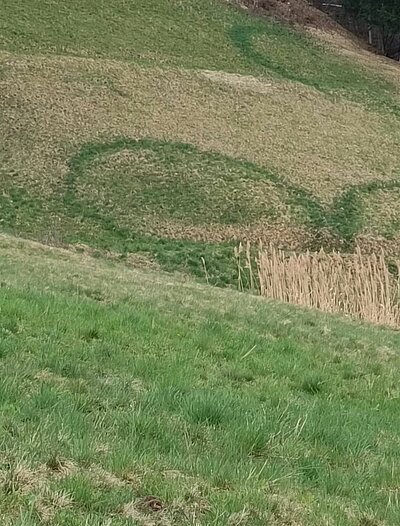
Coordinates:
142 184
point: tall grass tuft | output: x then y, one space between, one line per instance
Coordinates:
356 284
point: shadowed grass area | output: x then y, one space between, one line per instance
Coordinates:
216 404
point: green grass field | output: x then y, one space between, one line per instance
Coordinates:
119 384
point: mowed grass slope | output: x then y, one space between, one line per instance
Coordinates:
176 129
134 397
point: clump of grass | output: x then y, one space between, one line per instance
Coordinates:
206 409
356 284
312 384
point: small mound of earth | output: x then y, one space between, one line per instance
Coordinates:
296 12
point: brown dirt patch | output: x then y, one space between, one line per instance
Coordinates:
241 82
296 12
151 504
60 467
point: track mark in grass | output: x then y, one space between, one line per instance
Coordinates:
272 47
160 197
176 182
156 185
182 206
347 213
344 217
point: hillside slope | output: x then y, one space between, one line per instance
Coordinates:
137 397
175 129
159 134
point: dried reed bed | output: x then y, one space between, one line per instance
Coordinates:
360 285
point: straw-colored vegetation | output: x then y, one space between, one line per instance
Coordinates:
358 284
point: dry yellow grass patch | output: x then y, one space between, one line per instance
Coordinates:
374 243
50 106
130 511
20 478
355 284
49 377
24 480
284 233
241 82
151 511
49 502
103 478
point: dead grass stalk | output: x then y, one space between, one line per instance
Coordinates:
357 284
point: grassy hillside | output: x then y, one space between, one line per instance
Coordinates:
190 34
160 134
118 385
174 129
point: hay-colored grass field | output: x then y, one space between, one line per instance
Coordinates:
285 132
294 138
